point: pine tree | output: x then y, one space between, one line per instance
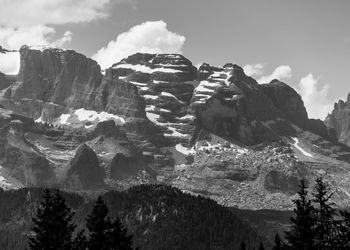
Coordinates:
242 246
106 234
80 241
301 234
277 244
326 230
344 230
52 227
99 226
119 237
261 246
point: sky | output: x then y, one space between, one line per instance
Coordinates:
303 43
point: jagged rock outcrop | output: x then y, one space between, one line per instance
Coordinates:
230 104
18 156
52 82
84 170
4 81
126 165
287 100
156 118
339 120
116 152
165 82
62 77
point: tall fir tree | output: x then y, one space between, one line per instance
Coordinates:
80 241
52 226
301 234
344 230
277 244
326 229
99 226
106 234
120 239
261 247
242 246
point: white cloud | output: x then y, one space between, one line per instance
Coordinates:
280 73
14 38
9 63
148 37
253 70
66 38
19 13
315 97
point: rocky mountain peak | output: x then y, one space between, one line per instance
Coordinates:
339 120
153 118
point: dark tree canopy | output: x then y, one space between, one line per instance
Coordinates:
301 234
52 227
104 233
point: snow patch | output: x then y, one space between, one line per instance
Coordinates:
83 116
174 133
145 69
184 150
39 120
296 144
153 117
153 97
138 83
187 117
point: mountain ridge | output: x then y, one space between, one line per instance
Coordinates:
155 118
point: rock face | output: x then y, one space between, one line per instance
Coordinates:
53 81
157 118
339 120
124 166
287 100
84 170
4 82
62 77
18 156
166 84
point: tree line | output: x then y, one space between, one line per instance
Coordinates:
317 223
53 228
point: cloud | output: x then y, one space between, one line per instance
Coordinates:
148 37
14 38
315 97
67 38
280 73
253 70
9 63
20 13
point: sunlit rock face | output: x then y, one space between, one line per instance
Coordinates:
84 171
17 156
155 118
165 82
339 120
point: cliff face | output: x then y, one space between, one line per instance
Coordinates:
62 77
84 171
4 81
18 156
53 81
339 120
157 118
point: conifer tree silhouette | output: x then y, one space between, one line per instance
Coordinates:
106 234
301 234
53 227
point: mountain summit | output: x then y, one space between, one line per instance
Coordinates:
155 118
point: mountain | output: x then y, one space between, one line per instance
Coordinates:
159 217
155 118
338 120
